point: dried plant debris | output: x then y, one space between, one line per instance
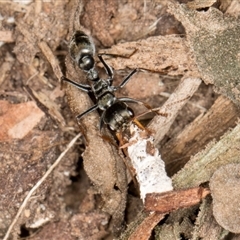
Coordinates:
199 170
103 27
47 104
116 21
206 226
88 199
178 225
199 133
173 200
214 40
6 67
141 54
201 167
44 217
17 120
224 185
54 230
142 226
161 124
50 23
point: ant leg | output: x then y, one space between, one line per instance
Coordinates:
126 99
101 123
108 69
84 87
91 109
126 80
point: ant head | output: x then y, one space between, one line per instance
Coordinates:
86 63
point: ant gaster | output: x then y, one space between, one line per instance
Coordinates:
115 112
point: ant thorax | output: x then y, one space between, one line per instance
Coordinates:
101 87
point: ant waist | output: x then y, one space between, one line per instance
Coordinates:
101 87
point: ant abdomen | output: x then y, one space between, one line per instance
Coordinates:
118 115
82 50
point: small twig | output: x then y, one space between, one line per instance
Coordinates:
37 185
161 124
174 200
51 58
144 230
198 4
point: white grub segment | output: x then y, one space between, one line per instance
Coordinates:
147 162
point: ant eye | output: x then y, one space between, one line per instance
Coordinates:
86 63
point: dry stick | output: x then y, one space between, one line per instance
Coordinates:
144 230
51 58
161 124
200 4
38 184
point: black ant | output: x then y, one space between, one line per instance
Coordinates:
115 112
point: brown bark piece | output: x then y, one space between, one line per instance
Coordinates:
169 56
173 200
144 230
